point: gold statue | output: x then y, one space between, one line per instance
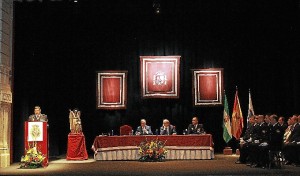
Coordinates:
75 121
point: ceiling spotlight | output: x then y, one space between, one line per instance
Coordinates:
75 1
156 6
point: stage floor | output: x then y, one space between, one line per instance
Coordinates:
221 165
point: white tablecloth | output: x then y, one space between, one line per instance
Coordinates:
174 153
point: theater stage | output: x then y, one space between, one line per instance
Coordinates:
221 165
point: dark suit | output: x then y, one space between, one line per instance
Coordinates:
264 133
38 118
169 131
295 134
195 129
291 150
146 131
244 148
284 126
255 131
248 133
276 137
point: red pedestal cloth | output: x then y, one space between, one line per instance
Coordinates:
76 147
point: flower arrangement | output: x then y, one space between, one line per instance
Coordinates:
33 159
152 150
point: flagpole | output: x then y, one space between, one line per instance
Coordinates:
227 150
223 119
236 140
248 107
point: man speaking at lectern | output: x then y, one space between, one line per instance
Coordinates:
37 116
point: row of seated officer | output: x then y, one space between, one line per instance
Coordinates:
168 129
262 138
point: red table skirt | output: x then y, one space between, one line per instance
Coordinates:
172 140
76 147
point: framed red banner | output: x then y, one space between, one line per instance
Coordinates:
111 90
207 87
160 76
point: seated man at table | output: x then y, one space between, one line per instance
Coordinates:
195 127
143 129
167 128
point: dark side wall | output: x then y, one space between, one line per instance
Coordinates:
59 46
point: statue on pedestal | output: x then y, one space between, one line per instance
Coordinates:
75 121
76 140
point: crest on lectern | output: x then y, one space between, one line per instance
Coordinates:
35 131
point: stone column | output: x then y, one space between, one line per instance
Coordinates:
6 34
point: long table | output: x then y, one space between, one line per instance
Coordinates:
178 146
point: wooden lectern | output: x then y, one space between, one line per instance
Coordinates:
36 134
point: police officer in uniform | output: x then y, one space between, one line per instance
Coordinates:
195 127
276 134
245 141
260 144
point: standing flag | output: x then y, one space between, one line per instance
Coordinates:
250 108
237 118
226 122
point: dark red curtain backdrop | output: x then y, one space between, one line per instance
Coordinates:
207 87
59 46
111 90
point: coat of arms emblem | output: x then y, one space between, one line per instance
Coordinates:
159 78
35 132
